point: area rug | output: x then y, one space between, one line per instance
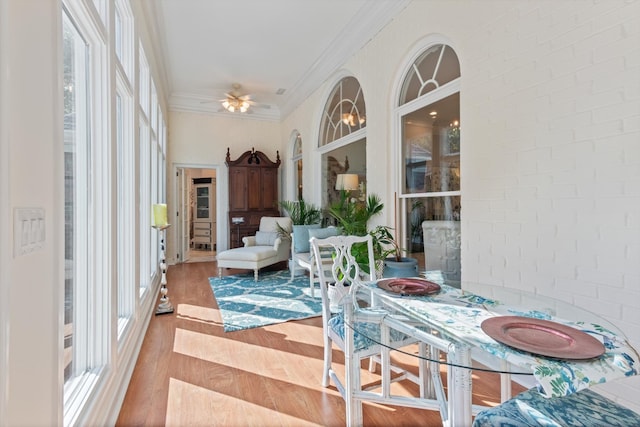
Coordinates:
274 298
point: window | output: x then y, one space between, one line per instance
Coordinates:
296 160
429 114
123 37
125 167
152 150
342 138
344 113
87 230
114 159
126 257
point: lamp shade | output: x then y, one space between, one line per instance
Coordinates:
160 215
347 181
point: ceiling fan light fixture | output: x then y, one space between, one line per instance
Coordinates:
236 104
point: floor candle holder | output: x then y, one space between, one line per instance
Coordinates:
164 307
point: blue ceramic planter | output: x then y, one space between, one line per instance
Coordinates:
406 267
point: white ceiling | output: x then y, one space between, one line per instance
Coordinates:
264 45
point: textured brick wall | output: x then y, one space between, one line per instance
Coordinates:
551 159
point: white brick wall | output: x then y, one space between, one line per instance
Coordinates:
551 162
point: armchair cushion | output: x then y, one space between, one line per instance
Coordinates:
266 238
323 233
301 237
270 223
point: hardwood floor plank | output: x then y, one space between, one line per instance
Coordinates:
191 373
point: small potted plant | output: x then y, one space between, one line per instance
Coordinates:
395 265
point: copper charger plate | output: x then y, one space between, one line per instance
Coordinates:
409 286
543 337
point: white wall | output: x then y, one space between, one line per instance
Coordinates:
551 167
5 216
33 125
550 123
201 140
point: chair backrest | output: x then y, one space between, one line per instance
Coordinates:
270 223
337 267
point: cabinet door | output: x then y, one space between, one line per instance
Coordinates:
269 188
238 189
203 208
254 196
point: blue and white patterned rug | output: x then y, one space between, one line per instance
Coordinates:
246 304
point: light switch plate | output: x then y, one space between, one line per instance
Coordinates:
28 230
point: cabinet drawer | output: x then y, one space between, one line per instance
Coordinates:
198 233
202 226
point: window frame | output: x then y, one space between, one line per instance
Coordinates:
328 120
91 319
445 90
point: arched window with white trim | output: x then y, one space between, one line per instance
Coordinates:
429 117
342 141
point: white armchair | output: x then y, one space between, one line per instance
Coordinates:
266 248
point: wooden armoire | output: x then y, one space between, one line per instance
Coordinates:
253 193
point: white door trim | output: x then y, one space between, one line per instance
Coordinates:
222 203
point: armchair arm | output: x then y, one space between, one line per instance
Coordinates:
249 241
277 242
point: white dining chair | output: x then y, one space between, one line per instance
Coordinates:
368 337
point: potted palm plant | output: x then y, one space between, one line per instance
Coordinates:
353 216
301 212
304 216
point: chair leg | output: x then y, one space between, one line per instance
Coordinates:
255 275
327 362
426 386
219 272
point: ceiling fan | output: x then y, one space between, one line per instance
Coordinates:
235 101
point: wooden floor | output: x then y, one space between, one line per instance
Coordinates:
191 373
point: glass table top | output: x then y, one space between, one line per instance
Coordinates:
532 334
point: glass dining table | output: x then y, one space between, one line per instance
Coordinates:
559 345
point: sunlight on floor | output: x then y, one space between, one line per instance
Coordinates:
188 402
236 354
299 332
199 314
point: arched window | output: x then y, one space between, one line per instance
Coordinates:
344 113
429 114
296 164
342 142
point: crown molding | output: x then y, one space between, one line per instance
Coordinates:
365 24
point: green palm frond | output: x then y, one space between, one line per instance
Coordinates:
301 212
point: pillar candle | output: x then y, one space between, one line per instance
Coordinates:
159 215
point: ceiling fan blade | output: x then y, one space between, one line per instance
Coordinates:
259 105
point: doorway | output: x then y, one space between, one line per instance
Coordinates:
196 196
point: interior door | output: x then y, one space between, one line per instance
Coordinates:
184 215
